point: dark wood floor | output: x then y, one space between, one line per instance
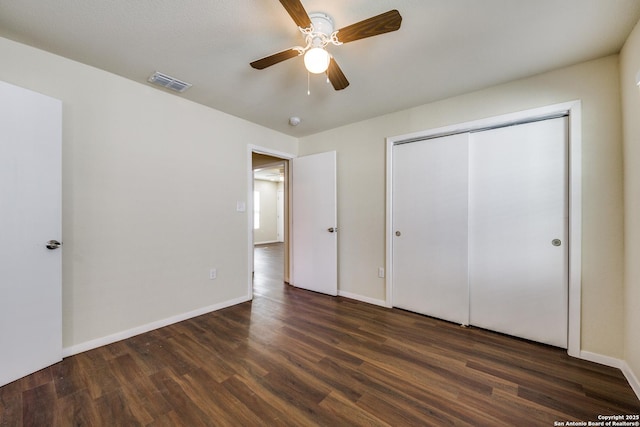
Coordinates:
292 357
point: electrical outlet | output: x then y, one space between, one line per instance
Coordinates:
381 272
213 273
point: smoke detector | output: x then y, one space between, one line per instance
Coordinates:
294 121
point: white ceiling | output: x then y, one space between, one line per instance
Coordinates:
269 174
444 48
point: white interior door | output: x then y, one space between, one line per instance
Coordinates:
517 215
314 234
430 227
30 216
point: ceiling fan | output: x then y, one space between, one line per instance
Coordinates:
317 29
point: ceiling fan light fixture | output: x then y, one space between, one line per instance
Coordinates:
316 60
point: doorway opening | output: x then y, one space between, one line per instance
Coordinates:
310 243
270 245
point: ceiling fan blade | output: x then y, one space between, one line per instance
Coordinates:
336 76
380 24
268 61
297 12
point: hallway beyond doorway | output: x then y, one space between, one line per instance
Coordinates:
268 276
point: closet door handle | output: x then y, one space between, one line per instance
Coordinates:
53 244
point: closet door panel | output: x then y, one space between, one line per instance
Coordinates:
518 218
430 227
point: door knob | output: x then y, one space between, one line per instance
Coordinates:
53 244
332 229
556 242
398 233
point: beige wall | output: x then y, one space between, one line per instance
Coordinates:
268 231
361 184
629 67
150 185
144 217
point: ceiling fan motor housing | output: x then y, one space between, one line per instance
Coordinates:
322 29
322 23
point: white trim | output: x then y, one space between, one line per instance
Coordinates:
269 152
357 297
575 228
574 110
119 336
614 363
389 225
601 359
631 378
268 242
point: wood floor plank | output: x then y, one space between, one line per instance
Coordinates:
218 403
296 358
39 405
96 373
331 374
146 401
440 404
285 413
327 349
114 406
67 377
396 412
11 405
345 412
184 406
261 408
36 379
508 410
77 409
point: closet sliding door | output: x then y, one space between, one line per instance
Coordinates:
430 181
518 218
480 223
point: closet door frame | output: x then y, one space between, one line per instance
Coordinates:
573 110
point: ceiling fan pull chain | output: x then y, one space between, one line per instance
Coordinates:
308 83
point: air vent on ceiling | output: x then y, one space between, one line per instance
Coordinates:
169 82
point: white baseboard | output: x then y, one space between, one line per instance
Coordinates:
357 297
631 377
603 360
119 336
614 363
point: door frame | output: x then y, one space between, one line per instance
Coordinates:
286 157
574 111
